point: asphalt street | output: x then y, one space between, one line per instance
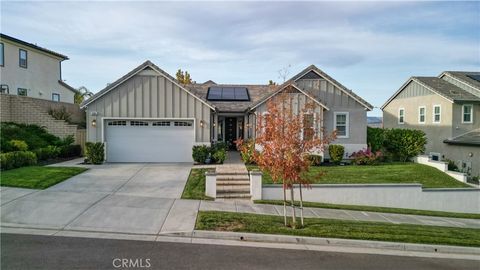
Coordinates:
51 252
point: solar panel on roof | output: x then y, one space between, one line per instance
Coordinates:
475 77
216 93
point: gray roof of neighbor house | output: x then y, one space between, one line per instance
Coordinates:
34 46
256 93
333 81
446 89
67 86
464 77
471 138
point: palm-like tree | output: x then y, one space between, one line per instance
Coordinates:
82 94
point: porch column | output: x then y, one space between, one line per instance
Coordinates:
215 128
245 126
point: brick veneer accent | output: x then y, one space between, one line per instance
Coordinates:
27 110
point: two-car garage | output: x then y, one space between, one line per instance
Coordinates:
146 140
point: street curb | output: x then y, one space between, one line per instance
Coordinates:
287 239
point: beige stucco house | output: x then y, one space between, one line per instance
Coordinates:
29 70
447 109
147 116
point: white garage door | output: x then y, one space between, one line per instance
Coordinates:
149 141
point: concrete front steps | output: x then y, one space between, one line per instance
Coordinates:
233 182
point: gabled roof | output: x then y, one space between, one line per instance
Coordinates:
280 89
313 68
440 87
64 84
471 138
34 46
463 76
145 65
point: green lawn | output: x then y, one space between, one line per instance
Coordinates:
195 187
317 227
391 173
37 177
377 209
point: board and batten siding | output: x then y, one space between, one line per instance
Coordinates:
149 95
338 101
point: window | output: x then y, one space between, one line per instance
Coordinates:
22 92
4 89
467 114
421 114
117 123
401 116
437 111
182 124
161 124
138 123
56 97
341 124
2 55
308 130
22 58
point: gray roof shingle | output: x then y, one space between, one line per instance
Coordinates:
471 138
463 76
446 89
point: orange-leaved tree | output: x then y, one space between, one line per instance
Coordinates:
285 136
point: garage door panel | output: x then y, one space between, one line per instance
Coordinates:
149 143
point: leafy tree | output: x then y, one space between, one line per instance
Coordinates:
271 82
183 77
284 151
82 94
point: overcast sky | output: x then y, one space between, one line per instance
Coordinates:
370 47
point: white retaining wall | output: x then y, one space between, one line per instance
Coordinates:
440 165
464 200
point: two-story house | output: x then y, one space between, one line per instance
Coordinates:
447 109
29 70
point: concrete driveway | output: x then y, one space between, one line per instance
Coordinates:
126 198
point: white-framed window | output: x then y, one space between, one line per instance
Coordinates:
401 116
182 124
138 123
341 124
55 97
2 55
437 113
467 113
22 58
117 123
421 114
22 92
161 124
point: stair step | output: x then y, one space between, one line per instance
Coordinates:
233 189
233 195
232 177
233 183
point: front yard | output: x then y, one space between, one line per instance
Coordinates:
386 173
195 187
37 177
318 227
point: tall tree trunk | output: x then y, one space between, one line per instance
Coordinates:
284 205
301 205
292 196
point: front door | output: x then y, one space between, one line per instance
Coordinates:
231 131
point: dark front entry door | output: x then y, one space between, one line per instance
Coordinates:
231 131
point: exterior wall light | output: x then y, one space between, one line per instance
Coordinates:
470 154
201 123
94 123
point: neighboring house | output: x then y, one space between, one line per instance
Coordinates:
147 116
29 70
447 109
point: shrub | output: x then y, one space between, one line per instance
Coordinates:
35 136
17 159
73 150
60 114
95 152
219 155
70 139
247 150
315 160
220 145
336 152
451 165
200 153
375 138
366 157
404 144
19 145
48 152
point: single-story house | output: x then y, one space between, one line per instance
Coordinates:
147 116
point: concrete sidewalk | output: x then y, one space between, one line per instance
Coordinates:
268 209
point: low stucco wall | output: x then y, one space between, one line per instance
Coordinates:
464 200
